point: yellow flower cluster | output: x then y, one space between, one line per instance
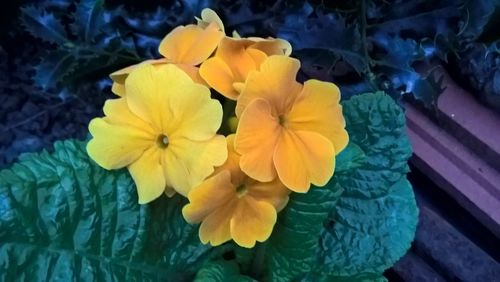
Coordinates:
164 125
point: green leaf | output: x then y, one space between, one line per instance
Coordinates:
357 278
63 218
350 158
221 271
54 68
374 221
291 250
42 24
89 17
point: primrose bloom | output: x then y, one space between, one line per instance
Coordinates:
185 46
230 205
286 129
163 131
227 71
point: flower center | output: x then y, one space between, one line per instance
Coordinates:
162 141
241 190
282 120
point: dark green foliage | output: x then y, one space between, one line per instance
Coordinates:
87 47
64 218
375 219
384 45
221 271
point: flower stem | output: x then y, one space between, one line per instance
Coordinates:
258 263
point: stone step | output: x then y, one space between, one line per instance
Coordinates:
475 125
449 253
465 176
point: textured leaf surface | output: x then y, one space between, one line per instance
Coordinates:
293 244
350 158
43 25
374 221
221 271
63 218
89 18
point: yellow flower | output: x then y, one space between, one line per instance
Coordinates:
286 129
163 131
230 205
185 46
227 71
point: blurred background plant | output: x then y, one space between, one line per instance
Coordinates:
56 55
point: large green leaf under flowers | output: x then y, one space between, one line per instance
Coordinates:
374 221
221 271
63 218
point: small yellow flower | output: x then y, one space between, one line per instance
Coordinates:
227 71
230 205
286 129
163 131
185 46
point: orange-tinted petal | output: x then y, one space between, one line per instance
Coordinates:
302 158
209 196
232 163
273 192
148 175
257 56
116 146
219 76
273 46
193 72
274 82
252 221
215 228
255 140
317 109
191 44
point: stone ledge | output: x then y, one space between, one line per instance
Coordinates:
450 253
475 125
466 177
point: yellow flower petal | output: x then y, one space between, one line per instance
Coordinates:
147 173
119 76
191 44
302 158
209 16
209 196
272 46
116 146
274 82
215 228
257 56
187 163
194 114
273 192
118 113
317 109
219 76
150 89
256 139
232 163
118 89
252 221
